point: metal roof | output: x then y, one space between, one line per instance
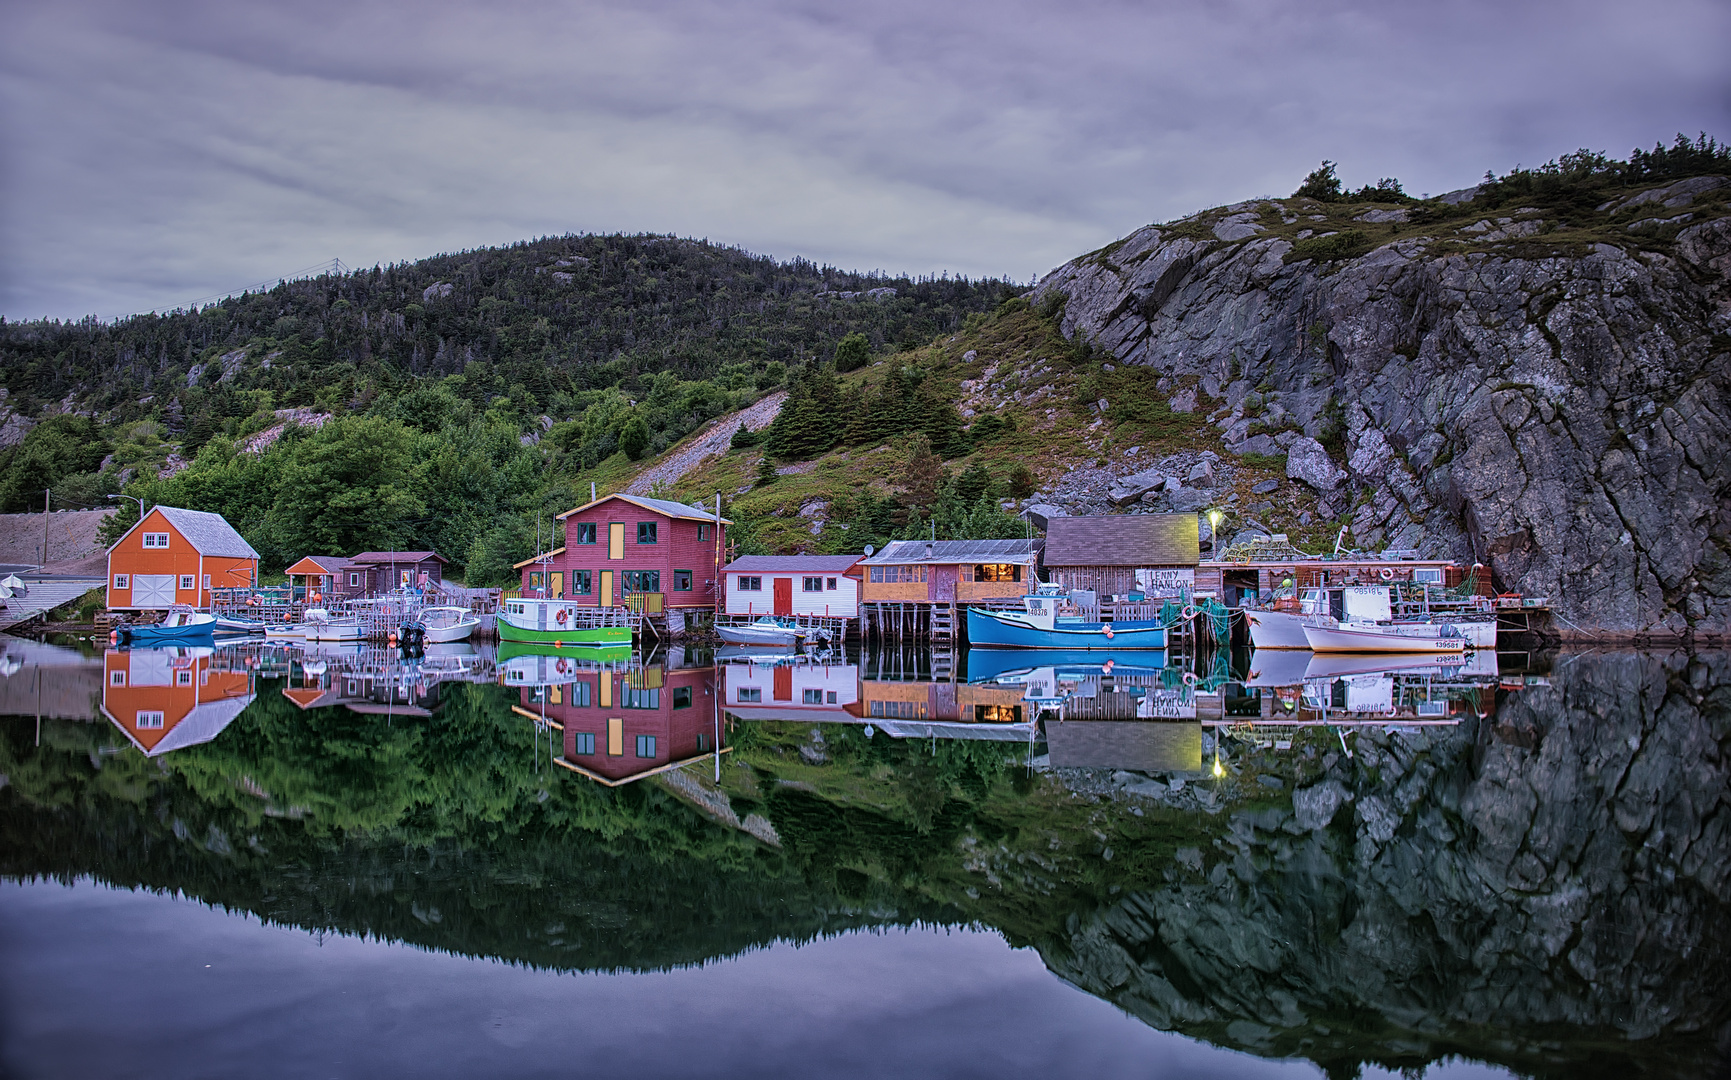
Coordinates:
791 564
209 534
395 557
955 551
1124 540
666 507
330 564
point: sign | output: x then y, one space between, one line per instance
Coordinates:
1166 583
1164 704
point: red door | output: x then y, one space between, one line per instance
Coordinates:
784 596
783 690
941 584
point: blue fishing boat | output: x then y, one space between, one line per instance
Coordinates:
1041 626
999 665
177 626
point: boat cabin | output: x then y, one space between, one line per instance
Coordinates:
174 556
821 586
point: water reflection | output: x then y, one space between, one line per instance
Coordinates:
1345 861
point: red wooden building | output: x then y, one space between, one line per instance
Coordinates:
373 572
628 545
621 726
175 556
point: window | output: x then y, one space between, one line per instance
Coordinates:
998 572
580 698
998 714
117 678
183 678
832 697
645 746
646 531
702 743
750 583
207 581
682 581
537 579
1428 575
354 581
616 541
631 698
750 693
682 697
895 574
584 741
642 580
706 532
811 697
155 540
122 581
148 721
830 584
585 533
811 584
897 710
186 581
582 583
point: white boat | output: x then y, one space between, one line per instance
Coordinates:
284 631
320 625
228 625
765 631
1369 608
1427 638
448 624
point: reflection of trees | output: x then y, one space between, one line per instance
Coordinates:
1550 892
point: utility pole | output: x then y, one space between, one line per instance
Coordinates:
46 492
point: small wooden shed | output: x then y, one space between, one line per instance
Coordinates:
1154 555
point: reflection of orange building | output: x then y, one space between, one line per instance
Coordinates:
167 699
965 702
621 726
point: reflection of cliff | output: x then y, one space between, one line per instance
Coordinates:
1553 892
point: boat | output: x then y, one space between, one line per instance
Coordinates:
1282 624
548 665
178 625
1427 638
757 654
765 631
318 624
561 623
1041 626
284 631
228 625
443 625
999 665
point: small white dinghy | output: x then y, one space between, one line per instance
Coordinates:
447 624
765 631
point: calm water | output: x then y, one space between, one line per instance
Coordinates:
258 861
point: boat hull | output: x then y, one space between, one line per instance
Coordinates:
1326 639
751 635
575 636
333 632
986 628
1277 629
156 635
987 664
444 635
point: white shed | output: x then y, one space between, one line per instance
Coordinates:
823 586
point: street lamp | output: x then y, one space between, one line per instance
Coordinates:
135 499
1214 517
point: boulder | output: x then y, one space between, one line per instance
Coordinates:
1190 500
1238 226
1184 401
1202 474
1038 514
1267 487
1127 489
1257 444
1307 461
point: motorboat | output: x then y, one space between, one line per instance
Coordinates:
228 625
561 623
1282 625
178 625
1043 624
1424 638
543 665
285 631
443 625
318 624
765 631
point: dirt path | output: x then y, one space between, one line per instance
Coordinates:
708 443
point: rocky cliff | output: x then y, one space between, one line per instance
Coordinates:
1561 867
1548 393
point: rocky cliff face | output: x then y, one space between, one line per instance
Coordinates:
1562 866
1553 405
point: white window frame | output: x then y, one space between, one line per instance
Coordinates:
810 584
148 720
207 581
831 585
117 678
187 582
354 579
123 582
756 582
156 541
183 677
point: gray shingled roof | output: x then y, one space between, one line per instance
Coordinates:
209 534
955 551
661 506
1124 540
393 558
790 564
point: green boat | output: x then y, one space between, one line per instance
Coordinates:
561 623
546 665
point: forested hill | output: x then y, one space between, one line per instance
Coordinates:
445 403
554 315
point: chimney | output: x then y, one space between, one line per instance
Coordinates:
928 549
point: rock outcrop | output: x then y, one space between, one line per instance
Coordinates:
1561 415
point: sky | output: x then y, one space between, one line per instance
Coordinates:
157 153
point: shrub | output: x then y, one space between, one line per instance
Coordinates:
1321 184
1348 244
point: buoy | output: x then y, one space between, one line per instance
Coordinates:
1188 613
1108 632
1387 573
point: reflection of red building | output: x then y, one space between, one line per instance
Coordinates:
621 726
167 699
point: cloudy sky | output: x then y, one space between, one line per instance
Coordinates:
154 153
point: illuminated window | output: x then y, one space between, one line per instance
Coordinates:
998 572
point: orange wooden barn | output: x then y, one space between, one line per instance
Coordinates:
176 556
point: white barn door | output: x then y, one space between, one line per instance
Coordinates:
152 590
